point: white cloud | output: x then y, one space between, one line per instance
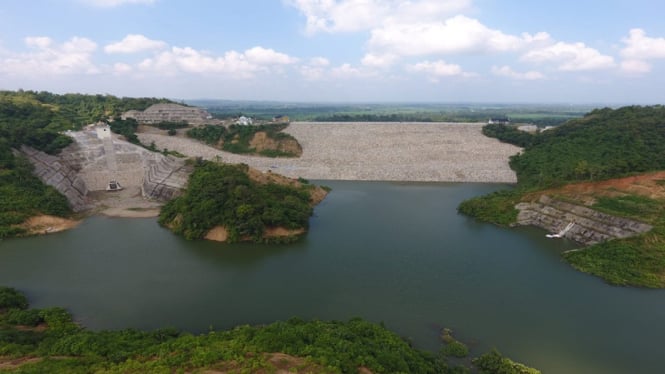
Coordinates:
635 67
641 47
507 71
638 48
190 60
379 61
316 69
46 58
570 57
122 68
346 71
115 3
459 34
235 64
312 73
437 69
357 15
133 43
265 56
319 61
40 42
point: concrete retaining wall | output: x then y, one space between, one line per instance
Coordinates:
54 172
590 227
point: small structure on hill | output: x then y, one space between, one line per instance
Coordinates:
103 131
169 113
113 186
498 121
244 121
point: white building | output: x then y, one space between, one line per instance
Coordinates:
245 121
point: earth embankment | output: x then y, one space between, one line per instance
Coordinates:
419 152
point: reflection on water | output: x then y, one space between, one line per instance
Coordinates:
397 253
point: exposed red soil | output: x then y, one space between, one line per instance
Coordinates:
650 185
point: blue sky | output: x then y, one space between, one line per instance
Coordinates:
583 51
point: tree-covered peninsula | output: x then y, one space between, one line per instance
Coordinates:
609 161
49 341
235 203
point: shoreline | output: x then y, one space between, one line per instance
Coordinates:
128 213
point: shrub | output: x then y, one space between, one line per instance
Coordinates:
28 317
497 207
455 349
11 298
494 363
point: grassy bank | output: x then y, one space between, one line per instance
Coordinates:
638 261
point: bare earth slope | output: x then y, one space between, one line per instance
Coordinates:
428 152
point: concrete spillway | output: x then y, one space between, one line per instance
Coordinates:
590 226
88 164
109 154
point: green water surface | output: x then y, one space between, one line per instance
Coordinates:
397 253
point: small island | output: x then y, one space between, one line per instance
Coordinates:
232 203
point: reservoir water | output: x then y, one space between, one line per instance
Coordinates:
391 252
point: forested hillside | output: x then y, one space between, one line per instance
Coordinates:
605 143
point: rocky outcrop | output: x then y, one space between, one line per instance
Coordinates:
56 172
590 226
262 142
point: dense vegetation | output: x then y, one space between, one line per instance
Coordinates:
72 111
224 195
127 128
61 346
237 138
639 260
37 118
604 144
497 207
26 121
509 134
23 195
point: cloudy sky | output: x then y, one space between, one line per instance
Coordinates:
583 51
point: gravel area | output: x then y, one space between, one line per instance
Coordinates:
427 152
